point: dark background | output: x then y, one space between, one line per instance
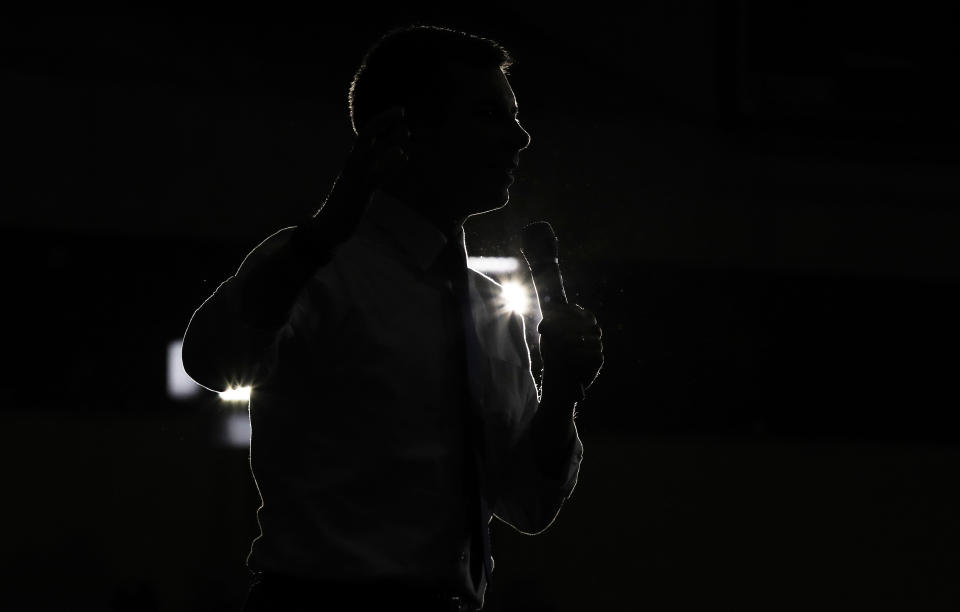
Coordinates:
758 200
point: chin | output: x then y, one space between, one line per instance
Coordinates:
494 202
487 198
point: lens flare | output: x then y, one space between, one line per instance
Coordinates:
515 297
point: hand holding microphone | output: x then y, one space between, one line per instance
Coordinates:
570 338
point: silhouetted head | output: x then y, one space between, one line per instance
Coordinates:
460 109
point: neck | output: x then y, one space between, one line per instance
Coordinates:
439 210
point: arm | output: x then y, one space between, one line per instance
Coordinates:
232 338
553 431
543 466
572 351
536 483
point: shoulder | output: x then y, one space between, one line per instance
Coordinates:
268 247
484 284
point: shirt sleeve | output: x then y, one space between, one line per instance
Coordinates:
221 346
528 499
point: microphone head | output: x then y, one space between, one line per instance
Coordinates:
538 243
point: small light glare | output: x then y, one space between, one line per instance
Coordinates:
236 394
179 385
515 297
493 265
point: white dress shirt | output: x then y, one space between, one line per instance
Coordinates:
357 412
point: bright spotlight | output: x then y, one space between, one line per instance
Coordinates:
236 394
515 297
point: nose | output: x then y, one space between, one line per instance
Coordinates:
522 136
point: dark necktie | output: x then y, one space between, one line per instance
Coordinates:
455 263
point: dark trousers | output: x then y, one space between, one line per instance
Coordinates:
279 593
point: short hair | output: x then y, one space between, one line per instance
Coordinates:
409 62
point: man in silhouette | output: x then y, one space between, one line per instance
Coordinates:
393 410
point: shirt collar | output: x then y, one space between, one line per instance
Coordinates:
419 240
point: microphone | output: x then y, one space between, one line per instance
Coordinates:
538 244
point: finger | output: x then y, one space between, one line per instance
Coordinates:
594 331
589 350
573 312
589 363
560 327
592 343
586 315
382 122
387 163
582 328
572 347
376 129
565 315
567 328
388 152
397 134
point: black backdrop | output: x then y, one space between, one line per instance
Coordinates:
758 202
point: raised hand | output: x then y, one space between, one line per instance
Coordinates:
377 157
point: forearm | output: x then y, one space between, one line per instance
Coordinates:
553 430
545 463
